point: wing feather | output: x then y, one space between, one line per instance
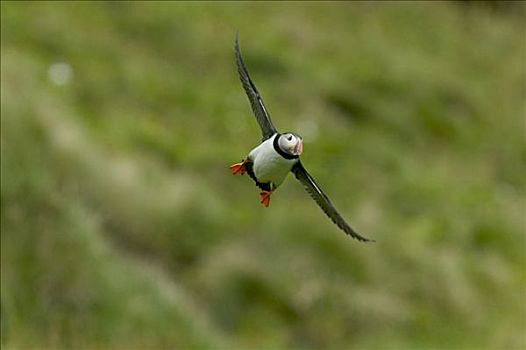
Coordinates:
260 111
324 202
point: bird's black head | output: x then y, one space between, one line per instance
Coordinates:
291 144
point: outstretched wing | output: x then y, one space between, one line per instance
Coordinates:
262 116
323 201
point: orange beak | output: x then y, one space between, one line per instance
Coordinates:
299 148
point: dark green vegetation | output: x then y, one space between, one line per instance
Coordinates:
122 226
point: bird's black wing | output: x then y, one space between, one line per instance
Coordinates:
262 116
323 201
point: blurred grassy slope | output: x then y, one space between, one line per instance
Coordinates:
122 226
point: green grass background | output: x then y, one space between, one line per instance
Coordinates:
123 228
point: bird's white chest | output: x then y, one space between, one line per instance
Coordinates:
268 165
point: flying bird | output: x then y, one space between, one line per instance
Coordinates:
269 163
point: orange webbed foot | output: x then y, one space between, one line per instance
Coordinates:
265 198
239 168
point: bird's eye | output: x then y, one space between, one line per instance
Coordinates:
289 138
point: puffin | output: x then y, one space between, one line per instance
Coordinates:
270 162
